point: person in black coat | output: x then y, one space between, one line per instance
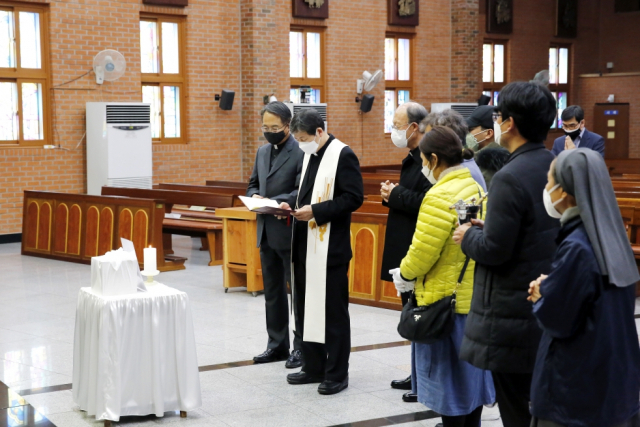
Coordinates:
587 371
404 200
276 175
325 360
511 248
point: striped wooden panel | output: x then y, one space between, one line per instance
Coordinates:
140 232
73 230
105 239
31 237
44 227
91 235
61 226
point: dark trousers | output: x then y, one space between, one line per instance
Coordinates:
276 272
513 396
469 420
331 359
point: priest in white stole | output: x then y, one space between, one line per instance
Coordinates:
330 189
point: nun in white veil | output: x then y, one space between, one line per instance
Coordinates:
587 371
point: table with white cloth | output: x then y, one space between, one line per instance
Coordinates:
135 354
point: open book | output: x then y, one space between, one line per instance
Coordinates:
264 206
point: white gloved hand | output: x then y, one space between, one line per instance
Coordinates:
401 284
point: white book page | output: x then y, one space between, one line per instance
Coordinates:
255 203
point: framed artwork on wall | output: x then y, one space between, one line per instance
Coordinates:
314 9
499 16
566 18
404 12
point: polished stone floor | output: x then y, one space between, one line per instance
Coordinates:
37 309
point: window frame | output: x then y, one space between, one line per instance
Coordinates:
314 83
162 79
19 75
400 85
492 86
564 87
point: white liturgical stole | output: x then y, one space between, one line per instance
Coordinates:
318 244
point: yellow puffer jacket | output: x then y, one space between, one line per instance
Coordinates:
433 259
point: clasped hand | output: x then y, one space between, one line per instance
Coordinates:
305 213
399 282
534 289
385 190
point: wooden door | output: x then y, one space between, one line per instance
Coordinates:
612 122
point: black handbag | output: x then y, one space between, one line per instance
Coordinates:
430 323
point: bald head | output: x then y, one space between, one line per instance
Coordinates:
408 117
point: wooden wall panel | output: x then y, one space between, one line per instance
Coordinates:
365 261
31 222
125 224
44 227
236 236
74 229
61 228
140 236
91 236
105 233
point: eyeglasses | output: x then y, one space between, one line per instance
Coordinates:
495 116
272 129
401 126
570 126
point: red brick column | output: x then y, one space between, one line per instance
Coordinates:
466 54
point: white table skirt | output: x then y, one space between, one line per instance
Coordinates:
135 354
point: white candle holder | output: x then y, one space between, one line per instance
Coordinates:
150 275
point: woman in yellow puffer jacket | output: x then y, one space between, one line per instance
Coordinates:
445 384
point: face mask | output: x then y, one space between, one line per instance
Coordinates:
477 143
274 138
428 173
399 137
471 142
549 205
573 134
309 147
497 132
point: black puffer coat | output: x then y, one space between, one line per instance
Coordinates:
516 245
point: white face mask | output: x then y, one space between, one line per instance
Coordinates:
497 132
309 147
549 205
428 173
399 137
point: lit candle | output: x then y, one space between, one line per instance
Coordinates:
150 259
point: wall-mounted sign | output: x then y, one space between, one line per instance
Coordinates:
314 9
611 112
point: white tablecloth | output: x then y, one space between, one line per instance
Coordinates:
135 354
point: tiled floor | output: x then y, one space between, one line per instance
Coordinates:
37 309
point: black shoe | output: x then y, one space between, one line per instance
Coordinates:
295 360
404 384
270 355
303 378
409 397
333 387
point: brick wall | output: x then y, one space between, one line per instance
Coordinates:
239 45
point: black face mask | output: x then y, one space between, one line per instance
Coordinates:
573 134
274 138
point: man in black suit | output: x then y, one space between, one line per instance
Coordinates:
511 249
331 189
276 175
404 200
576 134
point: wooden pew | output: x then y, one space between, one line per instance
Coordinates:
623 166
76 227
209 228
231 184
203 189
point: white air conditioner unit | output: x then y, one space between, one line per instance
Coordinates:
320 108
463 108
118 145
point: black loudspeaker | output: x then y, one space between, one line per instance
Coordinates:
226 100
366 103
484 100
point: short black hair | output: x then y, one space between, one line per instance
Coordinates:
573 111
416 112
444 143
307 120
279 109
531 106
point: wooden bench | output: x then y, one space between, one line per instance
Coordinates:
623 166
232 184
192 225
76 227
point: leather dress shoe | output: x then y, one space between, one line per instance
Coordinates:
333 387
409 397
303 378
404 384
271 355
295 360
